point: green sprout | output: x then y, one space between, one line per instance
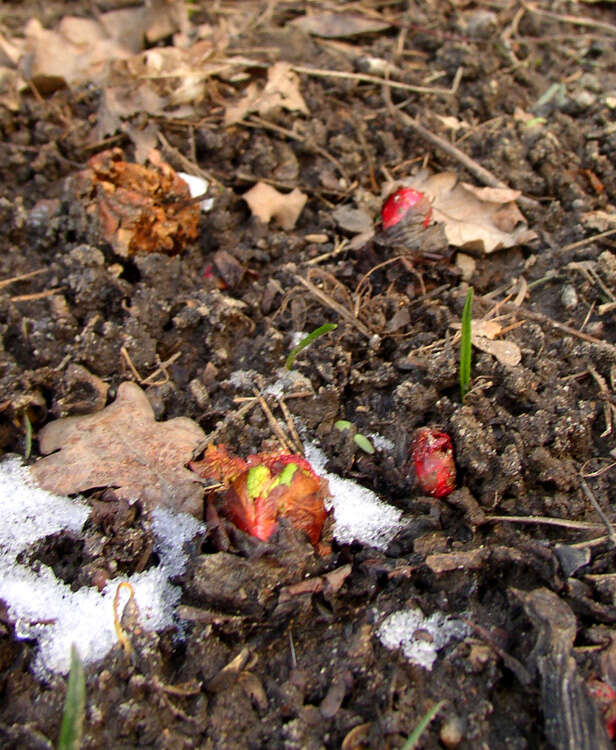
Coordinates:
411 742
465 345
360 440
307 340
74 705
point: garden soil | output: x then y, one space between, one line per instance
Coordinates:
260 659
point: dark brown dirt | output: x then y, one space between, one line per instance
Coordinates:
309 668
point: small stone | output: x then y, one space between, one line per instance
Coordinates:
583 98
353 220
482 24
452 732
568 297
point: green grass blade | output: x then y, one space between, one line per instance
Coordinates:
74 705
465 345
411 742
28 438
307 340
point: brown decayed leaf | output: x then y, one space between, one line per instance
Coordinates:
506 352
78 49
483 337
124 447
281 92
481 219
76 52
338 25
600 220
137 208
265 202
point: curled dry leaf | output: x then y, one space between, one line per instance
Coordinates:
281 92
483 337
123 447
76 52
602 221
480 219
506 352
266 487
338 25
136 207
265 202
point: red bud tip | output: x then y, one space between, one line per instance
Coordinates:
402 203
434 465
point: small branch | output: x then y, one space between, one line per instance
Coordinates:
483 175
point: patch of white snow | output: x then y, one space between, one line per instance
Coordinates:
359 515
46 609
419 637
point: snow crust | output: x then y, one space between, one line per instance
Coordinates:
44 608
359 514
419 637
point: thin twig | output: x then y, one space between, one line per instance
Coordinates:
541 318
608 407
261 123
575 20
24 276
186 164
598 472
277 429
340 247
213 436
511 662
298 446
481 173
586 241
365 78
331 303
35 296
162 367
595 542
595 504
546 521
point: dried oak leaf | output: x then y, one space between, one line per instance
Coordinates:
266 202
338 25
281 92
137 207
480 219
123 447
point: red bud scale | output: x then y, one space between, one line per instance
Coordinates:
432 456
406 204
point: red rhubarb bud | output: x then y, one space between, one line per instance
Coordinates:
406 205
432 456
263 488
605 697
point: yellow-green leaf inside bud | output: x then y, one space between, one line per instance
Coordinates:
258 481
